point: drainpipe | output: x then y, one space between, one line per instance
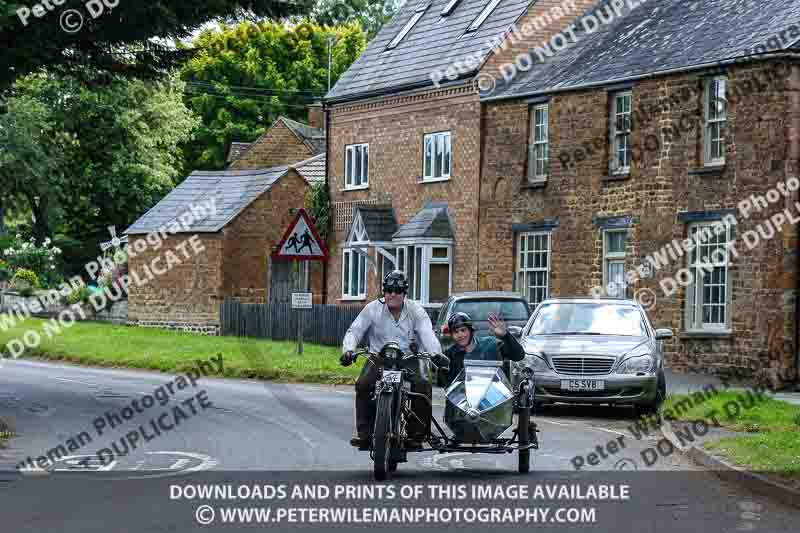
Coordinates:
327 113
793 169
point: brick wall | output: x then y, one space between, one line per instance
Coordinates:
394 128
662 184
187 296
278 146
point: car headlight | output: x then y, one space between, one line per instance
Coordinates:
634 365
534 362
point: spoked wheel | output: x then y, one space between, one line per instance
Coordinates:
381 444
524 437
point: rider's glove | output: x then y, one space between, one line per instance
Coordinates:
441 359
347 358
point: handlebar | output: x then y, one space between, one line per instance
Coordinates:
421 355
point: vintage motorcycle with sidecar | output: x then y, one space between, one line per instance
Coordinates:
480 404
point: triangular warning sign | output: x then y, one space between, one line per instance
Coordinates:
301 242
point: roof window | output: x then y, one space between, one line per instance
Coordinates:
484 15
409 25
450 7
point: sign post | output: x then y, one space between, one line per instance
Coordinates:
302 243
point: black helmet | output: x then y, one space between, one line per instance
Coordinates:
395 281
460 320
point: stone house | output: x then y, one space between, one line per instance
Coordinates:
406 144
599 162
254 200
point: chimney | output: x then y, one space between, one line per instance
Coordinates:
316 118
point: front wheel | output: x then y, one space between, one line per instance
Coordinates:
524 436
381 438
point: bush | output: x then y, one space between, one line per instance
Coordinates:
5 270
78 295
25 281
41 260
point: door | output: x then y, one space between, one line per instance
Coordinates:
286 277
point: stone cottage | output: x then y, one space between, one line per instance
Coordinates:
254 201
601 161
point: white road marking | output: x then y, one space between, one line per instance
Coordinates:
540 419
76 381
610 431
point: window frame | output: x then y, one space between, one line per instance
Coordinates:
694 297
610 258
521 272
711 84
347 270
447 140
418 274
533 144
349 170
615 135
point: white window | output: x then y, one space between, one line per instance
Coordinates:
716 115
533 266
620 133
449 7
490 7
708 296
429 271
407 28
438 156
356 166
538 166
614 263
354 274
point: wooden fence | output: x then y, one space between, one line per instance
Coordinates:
323 324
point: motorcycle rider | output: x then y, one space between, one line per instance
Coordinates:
392 319
468 346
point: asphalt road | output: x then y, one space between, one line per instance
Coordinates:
238 429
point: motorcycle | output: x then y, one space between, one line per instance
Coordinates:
480 404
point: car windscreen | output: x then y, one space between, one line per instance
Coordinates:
588 319
479 310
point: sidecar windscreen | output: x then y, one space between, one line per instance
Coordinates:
479 402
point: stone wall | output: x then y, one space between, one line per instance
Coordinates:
666 181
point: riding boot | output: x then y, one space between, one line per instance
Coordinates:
420 429
365 405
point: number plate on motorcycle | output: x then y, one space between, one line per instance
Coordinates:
582 384
392 376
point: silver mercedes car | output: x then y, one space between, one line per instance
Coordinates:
594 350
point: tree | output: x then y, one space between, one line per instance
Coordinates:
113 35
371 14
93 156
242 77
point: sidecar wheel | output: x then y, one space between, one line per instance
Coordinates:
523 435
381 443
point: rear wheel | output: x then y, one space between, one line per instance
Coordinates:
524 436
381 439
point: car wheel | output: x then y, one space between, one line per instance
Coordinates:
652 408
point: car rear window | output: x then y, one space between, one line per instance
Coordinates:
479 310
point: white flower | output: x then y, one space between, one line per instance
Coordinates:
56 250
10 251
52 267
19 237
47 241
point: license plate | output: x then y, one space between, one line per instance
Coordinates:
582 384
392 376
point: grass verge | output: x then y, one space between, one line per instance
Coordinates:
155 349
772 442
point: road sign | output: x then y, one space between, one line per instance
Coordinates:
301 242
302 300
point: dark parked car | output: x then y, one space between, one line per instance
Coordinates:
510 306
588 350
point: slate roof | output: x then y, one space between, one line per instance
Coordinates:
313 137
313 170
231 191
658 36
434 43
379 222
236 150
433 221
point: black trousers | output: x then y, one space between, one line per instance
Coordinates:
419 376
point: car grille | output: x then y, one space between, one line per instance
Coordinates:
583 366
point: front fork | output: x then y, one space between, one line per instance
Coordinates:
524 402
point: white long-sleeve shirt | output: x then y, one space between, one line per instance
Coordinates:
376 320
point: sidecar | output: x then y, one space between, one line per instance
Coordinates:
479 403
